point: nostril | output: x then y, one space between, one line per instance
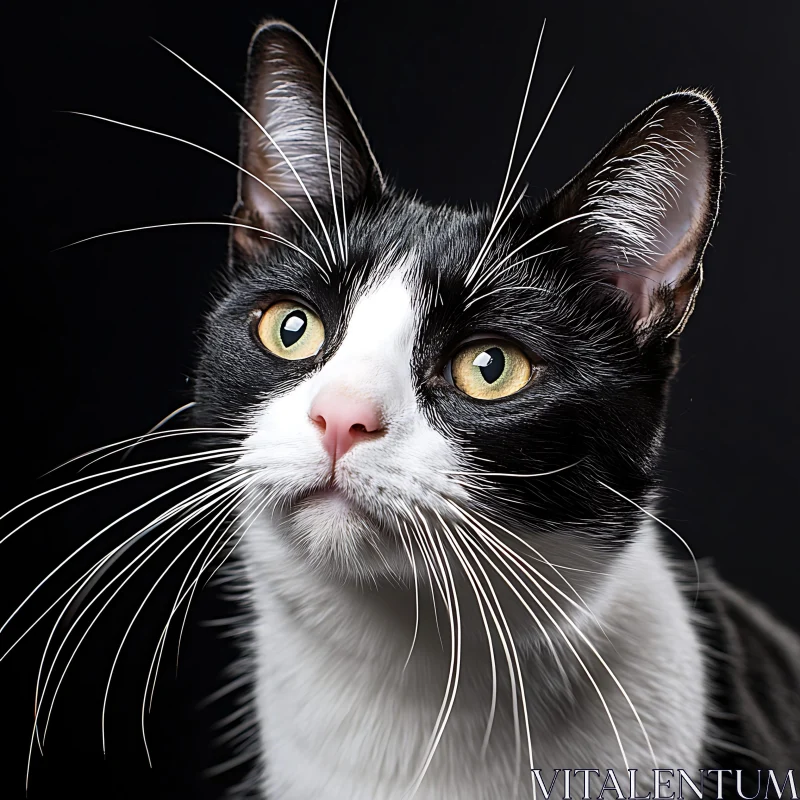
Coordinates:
360 432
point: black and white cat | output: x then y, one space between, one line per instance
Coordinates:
455 417
450 424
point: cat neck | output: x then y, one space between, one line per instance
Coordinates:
337 657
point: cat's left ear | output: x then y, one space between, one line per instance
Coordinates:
645 207
297 161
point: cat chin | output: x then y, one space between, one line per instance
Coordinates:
338 537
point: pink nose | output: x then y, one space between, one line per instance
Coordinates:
344 420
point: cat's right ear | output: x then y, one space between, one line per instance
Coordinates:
291 172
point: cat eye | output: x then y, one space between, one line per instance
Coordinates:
489 370
291 330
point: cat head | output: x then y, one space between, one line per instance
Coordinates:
409 373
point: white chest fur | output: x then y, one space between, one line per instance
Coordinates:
342 720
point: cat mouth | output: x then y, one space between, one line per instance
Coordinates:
336 502
328 494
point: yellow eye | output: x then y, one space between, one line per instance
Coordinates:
489 370
291 330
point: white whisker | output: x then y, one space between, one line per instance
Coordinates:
265 234
216 155
481 474
533 146
222 488
480 598
671 530
160 436
455 658
536 576
162 538
188 592
159 424
569 644
344 208
241 490
517 669
410 553
101 532
325 128
271 140
130 625
433 578
498 210
549 228
209 558
164 463
144 437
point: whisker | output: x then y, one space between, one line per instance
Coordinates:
189 591
145 437
489 538
476 265
412 561
569 644
267 501
166 463
159 424
423 549
455 659
515 674
344 207
206 561
498 210
557 568
432 585
40 702
671 530
130 625
95 571
538 622
524 164
480 597
511 288
549 228
101 532
153 438
265 234
433 578
495 274
481 474
216 155
222 488
271 140
325 128
242 489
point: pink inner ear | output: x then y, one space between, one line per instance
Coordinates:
648 209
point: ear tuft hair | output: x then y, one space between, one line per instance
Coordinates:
286 148
647 204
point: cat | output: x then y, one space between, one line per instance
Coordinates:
457 416
446 425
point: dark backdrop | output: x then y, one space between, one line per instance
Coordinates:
98 340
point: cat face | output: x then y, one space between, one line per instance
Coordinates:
402 368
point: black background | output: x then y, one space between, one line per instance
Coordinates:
97 340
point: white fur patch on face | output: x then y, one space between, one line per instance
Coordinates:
343 515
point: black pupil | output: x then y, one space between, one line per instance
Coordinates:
497 363
293 327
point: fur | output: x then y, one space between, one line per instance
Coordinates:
347 564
